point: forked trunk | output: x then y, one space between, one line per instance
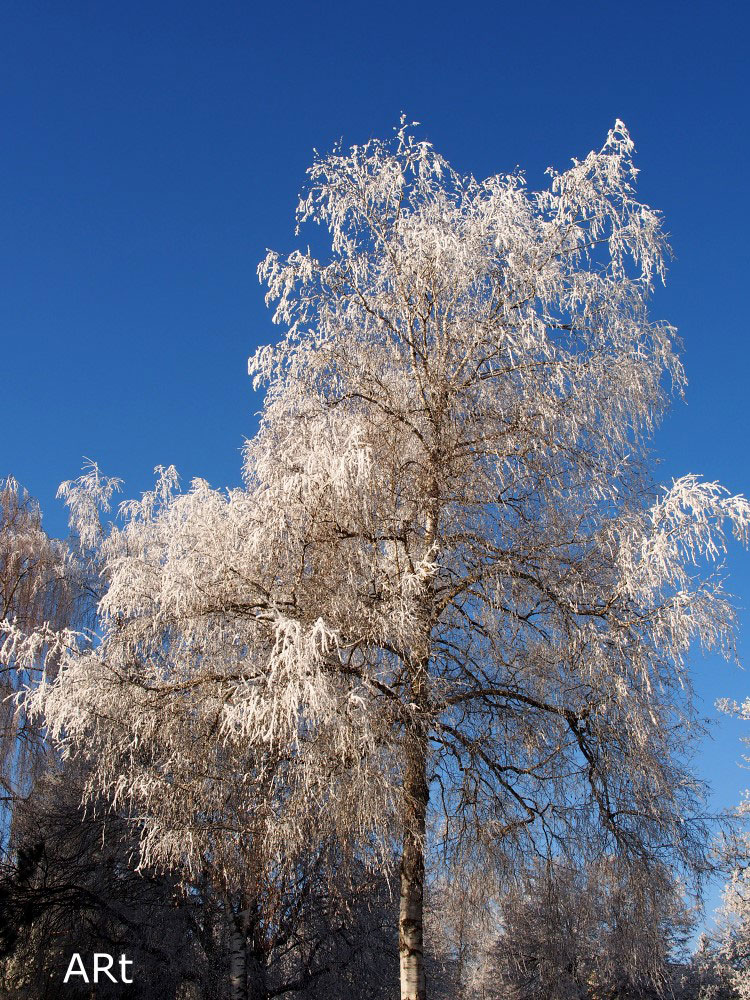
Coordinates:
410 937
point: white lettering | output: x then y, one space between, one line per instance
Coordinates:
105 970
123 962
80 971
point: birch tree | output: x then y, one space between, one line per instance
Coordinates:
501 575
602 932
731 945
448 608
36 589
726 953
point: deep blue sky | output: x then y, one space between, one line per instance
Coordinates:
152 151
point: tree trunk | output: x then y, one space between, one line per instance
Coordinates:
238 957
410 938
248 978
416 793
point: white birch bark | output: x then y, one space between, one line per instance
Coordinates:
238 980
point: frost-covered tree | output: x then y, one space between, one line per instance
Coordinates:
725 959
70 887
448 607
594 931
37 590
497 574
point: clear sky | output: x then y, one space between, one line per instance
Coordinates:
152 151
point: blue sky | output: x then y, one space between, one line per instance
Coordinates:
152 151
